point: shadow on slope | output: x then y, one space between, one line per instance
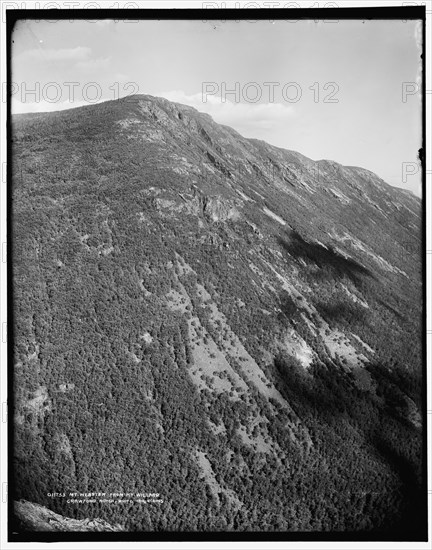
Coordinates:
345 312
346 422
327 259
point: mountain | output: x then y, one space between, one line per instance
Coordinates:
226 324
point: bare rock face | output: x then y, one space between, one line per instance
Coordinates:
214 209
219 210
35 517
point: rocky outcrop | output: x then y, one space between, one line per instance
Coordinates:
219 210
34 517
215 209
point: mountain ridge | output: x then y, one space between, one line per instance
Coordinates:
208 117
215 319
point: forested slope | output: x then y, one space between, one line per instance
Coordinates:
225 323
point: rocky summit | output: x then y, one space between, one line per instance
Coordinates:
225 324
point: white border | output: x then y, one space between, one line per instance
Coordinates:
23 4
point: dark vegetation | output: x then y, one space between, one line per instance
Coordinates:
331 264
94 257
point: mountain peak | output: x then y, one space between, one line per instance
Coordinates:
212 321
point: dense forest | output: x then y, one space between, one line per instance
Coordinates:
214 320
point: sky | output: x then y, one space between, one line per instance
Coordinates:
347 91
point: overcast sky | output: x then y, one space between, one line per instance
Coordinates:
334 90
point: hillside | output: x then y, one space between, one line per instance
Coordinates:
214 319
